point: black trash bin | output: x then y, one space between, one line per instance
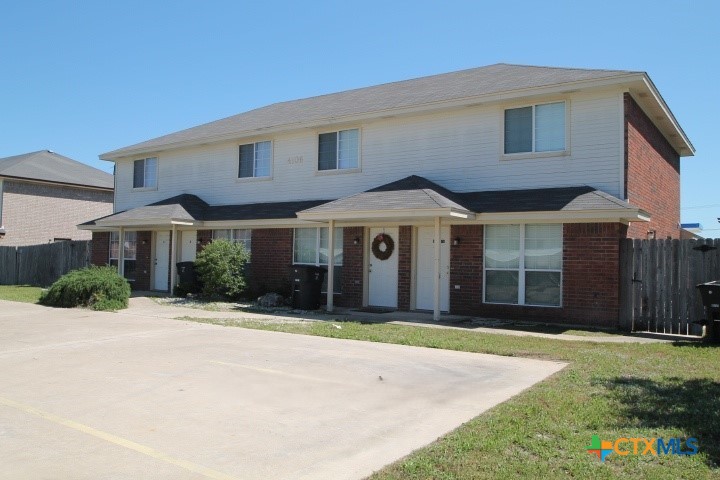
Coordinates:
307 283
186 272
710 293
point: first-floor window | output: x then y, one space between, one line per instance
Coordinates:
130 252
237 235
523 264
310 247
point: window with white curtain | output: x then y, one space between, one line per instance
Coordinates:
523 264
535 128
237 235
255 160
310 247
130 253
339 150
145 173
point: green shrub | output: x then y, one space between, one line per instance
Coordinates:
98 287
220 267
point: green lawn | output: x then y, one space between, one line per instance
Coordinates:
20 293
610 390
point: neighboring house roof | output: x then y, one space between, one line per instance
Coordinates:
424 93
410 196
48 166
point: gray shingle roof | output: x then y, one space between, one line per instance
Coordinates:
411 193
48 166
416 192
187 207
474 82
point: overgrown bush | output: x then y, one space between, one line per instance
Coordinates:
220 267
100 288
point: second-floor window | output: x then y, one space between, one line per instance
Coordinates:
536 128
339 150
255 160
145 173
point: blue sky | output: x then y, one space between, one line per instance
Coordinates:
83 78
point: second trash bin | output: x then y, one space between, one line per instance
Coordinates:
710 293
307 283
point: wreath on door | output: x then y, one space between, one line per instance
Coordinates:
389 246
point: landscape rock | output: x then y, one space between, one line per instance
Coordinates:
271 300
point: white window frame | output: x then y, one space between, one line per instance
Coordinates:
533 153
255 176
521 271
317 246
126 257
145 175
247 233
337 168
317 253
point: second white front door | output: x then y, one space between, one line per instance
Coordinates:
162 260
383 274
188 248
425 269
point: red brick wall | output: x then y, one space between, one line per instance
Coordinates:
404 250
272 255
466 268
352 270
591 254
143 259
100 248
652 175
203 238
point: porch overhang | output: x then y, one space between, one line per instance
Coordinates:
399 215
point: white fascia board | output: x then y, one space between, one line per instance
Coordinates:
619 215
269 223
157 222
429 107
688 149
386 214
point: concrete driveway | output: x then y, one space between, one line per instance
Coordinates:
100 395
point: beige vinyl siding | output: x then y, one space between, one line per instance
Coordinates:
460 149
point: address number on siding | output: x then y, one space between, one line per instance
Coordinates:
296 160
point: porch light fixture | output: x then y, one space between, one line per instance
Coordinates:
456 241
651 234
356 241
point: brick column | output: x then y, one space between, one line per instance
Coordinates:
466 268
404 248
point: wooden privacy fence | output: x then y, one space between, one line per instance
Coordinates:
42 264
657 284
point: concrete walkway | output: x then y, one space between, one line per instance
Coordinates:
144 306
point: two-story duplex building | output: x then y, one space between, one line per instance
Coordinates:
498 191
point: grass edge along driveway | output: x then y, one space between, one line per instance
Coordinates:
611 390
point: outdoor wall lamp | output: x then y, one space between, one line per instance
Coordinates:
356 241
456 241
651 234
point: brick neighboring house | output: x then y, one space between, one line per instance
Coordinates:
43 196
499 191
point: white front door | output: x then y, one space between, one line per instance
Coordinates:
425 269
383 274
188 249
162 260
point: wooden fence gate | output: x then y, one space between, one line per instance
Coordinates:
42 264
657 283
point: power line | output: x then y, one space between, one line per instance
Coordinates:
714 205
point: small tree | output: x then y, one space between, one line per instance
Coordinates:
220 267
